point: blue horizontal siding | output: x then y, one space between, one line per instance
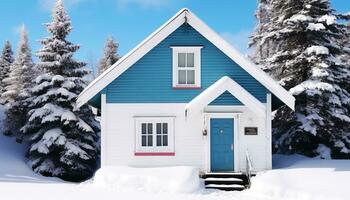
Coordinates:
226 99
149 80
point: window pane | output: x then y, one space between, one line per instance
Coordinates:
165 128
143 128
182 77
165 140
182 60
143 143
150 140
190 60
159 140
190 77
149 126
159 128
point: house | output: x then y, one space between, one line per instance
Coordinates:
184 96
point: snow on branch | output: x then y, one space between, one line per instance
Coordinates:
318 50
312 87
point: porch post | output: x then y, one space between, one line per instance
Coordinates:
103 129
268 131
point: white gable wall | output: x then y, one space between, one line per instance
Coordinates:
191 147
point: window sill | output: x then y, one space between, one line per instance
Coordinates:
154 154
186 87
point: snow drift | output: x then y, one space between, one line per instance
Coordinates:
301 178
163 179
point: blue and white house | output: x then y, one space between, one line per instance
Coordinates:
184 96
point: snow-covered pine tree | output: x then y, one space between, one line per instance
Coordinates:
263 49
110 55
18 84
23 61
62 137
6 59
308 43
346 57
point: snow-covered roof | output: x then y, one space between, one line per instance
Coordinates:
219 87
184 15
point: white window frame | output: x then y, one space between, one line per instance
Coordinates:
196 50
154 148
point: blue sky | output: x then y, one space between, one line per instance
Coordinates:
128 21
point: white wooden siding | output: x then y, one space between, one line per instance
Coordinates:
190 144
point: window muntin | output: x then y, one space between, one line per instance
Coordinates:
162 134
186 66
186 71
146 134
154 134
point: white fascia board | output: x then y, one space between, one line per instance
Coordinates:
218 88
131 58
243 62
189 48
160 34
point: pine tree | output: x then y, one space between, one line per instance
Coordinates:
308 43
262 48
18 70
6 59
19 83
62 137
346 41
110 55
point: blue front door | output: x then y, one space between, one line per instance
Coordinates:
221 144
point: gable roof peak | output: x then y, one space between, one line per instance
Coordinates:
185 9
184 15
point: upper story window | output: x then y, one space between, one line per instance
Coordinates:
187 67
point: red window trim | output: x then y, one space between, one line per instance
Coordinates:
154 153
186 88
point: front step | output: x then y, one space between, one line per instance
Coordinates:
228 181
229 187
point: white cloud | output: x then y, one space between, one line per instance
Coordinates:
47 5
143 3
239 40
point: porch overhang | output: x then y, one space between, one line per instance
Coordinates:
219 87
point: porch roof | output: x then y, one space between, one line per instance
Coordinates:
219 87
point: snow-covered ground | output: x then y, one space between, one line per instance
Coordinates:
12 163
12 160
301 178
294 178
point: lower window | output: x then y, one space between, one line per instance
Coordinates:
154 135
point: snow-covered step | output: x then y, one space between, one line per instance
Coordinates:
223 173
223 179
226 186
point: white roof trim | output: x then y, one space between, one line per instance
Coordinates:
160 34
219 87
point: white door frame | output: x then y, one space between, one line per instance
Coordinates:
235 117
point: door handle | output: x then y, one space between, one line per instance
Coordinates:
232 147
